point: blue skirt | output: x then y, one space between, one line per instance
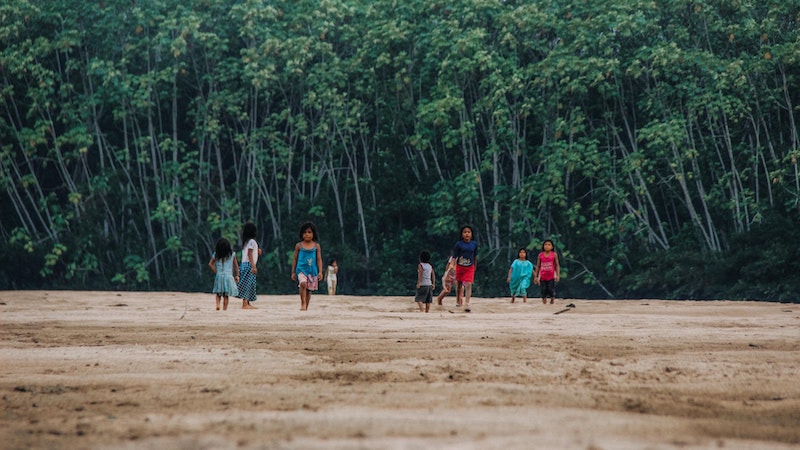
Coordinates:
225 284
247 282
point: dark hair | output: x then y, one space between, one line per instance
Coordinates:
331 261
461 231
223 249
521 249
551 243
305 226
425 256
249 231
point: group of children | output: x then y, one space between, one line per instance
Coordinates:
239 280
460 271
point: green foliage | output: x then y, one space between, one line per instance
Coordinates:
643 136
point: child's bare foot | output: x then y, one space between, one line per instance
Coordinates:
544 301
552 300
524 299
217 307
248 306
512 299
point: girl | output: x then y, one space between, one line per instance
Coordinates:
448 279
465 254
425 281
548 271
330 276
223 264
248 270
307 263
519 275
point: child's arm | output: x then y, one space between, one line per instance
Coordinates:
319 261
252 263
536 272
211 264
508 278
235 269
419 275
557 267
433 278
294 261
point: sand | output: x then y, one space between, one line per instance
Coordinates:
133 370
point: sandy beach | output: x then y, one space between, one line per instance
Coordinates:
134 370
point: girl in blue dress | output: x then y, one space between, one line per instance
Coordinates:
223 264
307 263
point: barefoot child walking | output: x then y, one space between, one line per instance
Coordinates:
307 263
448 279
426 277
465 254
223 264
519 276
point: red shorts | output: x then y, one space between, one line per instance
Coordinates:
465 274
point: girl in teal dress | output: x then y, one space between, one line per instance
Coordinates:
223 264
519 276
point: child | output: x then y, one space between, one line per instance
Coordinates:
425 281
519 276
223 264
547 271
465 253
307 263
330 276
247 269
448 279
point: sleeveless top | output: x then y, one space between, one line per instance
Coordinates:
307 262
547 266
426 274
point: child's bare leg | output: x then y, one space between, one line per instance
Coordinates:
442 295
308 298
458 293
303 289
467 293
524 299
512 299
552 299
225 303
217 302
544 300
427 307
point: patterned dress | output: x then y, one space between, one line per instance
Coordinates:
224 283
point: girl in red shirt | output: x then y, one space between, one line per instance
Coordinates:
547 271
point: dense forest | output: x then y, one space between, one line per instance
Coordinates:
655 141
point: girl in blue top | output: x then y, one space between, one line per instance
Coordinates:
465 254
307 263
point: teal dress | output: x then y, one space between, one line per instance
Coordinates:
224 283
521 272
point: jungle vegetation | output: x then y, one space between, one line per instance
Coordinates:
655 141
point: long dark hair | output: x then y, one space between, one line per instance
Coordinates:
249 231
223 250
307 225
